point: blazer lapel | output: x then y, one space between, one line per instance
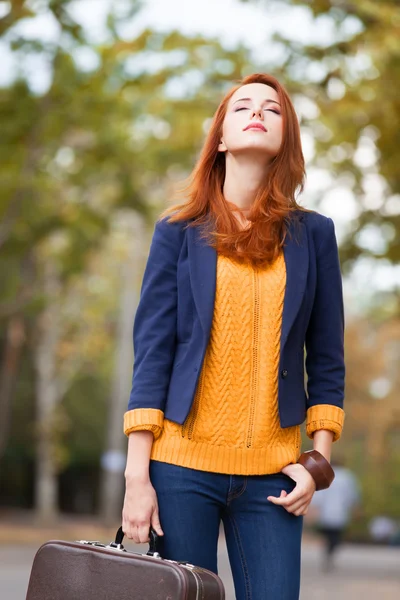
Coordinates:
296 259
203 270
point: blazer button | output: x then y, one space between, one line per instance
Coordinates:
284 373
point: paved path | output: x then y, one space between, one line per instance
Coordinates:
361 572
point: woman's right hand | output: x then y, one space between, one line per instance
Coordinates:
140 510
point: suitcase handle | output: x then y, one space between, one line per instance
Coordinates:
153 544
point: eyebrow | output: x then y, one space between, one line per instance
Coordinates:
267 100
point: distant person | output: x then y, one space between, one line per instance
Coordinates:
336 506
383 529
239 278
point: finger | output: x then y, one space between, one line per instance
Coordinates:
301 511
143 532
126 528
277 501
135 534
283 494
131 533
155 523
287 500
297 495
298 508
294 504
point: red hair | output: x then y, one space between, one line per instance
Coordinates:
273 203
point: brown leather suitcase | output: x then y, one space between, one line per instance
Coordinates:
93 571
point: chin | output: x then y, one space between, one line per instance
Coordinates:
255 149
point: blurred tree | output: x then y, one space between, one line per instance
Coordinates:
114 457
100 129
113 128
14 339
373 413
349 78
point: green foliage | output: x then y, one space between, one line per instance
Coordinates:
97 140
86 409
100 139
114 135
358 102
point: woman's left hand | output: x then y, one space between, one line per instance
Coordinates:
297 502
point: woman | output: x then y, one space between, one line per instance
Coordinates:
239 280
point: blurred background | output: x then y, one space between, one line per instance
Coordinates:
104 108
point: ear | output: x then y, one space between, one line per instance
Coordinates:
222 147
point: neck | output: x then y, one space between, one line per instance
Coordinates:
244 176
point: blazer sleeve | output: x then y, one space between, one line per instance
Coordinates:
325 342
154 332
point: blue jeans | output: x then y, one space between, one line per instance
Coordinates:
263 539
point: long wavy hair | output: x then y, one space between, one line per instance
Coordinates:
275 201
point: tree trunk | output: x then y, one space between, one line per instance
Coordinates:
15 338
46 493
114 458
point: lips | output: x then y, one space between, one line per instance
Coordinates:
255 126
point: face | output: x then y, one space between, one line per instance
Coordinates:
253 122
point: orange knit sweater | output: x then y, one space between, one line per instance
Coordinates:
233 426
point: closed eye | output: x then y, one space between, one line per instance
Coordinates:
267 109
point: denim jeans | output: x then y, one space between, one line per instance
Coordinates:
263 539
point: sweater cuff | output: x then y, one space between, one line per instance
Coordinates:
144 419
325 416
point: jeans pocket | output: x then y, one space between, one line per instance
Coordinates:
287 483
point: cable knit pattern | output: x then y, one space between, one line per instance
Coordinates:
233 426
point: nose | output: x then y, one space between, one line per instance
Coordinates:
258 112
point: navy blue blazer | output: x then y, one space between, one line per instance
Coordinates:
173 320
